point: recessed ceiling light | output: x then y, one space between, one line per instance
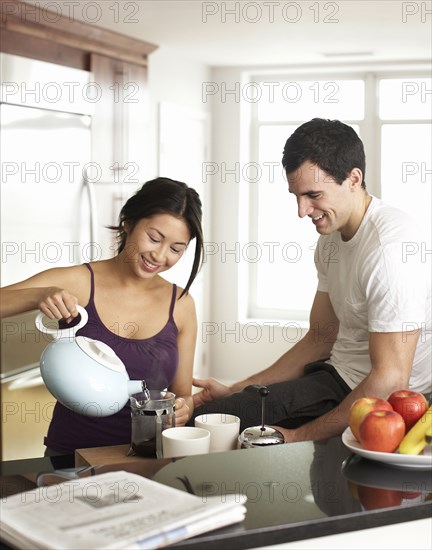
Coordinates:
346 54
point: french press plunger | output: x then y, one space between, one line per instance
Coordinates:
261 436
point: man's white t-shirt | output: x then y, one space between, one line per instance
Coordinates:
378 281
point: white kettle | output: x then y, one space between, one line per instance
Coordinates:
83 374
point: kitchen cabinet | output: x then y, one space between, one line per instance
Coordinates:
118 65
27 408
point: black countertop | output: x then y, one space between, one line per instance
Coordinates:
295 491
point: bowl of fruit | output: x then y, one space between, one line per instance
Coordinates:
396 430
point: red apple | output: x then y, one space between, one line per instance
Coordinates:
410 495
411 405
373 498
382 431
361 407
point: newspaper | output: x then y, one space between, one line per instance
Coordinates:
112 510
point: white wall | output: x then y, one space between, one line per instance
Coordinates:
176 80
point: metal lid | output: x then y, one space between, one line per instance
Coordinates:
260 436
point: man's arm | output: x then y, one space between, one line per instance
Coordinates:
391 356
316 344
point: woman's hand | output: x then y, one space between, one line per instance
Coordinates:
182 411
57 303
212 389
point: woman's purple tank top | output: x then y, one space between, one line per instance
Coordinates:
154 360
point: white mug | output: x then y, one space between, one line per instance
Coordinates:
224 430
185 441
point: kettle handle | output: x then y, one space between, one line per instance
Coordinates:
59 333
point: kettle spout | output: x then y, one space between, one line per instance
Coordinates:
138 386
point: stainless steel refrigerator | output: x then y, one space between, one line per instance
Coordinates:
47 220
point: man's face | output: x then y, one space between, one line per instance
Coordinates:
329 205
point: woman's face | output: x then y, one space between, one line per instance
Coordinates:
156 244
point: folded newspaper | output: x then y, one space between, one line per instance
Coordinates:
112 510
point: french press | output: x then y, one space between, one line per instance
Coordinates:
261 436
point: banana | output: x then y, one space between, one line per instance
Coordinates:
415 440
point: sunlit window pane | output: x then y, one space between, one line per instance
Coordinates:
405 98
286 241
306 99
406 179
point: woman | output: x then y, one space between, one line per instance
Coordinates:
149 323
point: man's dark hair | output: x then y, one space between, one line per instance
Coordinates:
330 144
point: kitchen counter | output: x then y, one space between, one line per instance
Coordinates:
295 491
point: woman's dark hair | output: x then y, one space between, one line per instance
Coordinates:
332 145
165 196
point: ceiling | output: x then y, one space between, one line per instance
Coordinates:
268 33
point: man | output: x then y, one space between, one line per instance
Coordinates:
370 321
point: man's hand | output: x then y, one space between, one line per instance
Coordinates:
212 389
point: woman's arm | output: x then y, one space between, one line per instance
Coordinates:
45 291
186 321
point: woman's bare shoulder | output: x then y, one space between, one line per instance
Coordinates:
184 310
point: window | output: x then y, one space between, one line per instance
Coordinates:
396 132
406 145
